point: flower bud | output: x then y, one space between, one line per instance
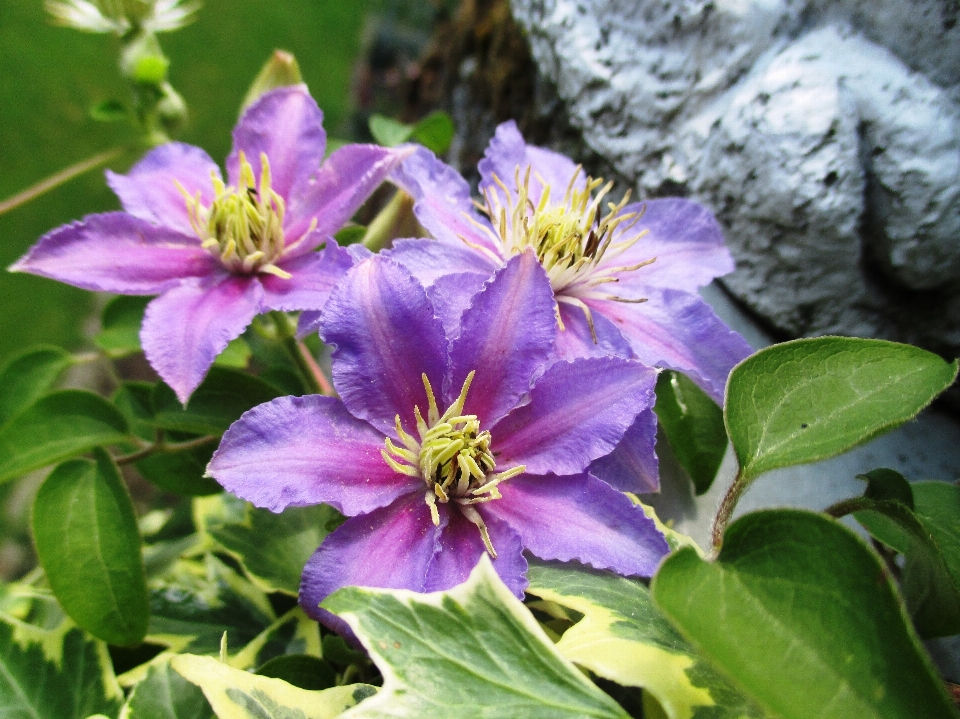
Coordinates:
171 109
280 70
142 61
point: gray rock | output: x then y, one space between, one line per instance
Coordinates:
816 130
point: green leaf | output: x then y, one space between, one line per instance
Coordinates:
58 426
235 694
929 539
886 484
350 235
27 377
435 132
216 404
800 614
293 633
181 472
388 132
474 646
301 670
165 694
197 601
62 674
237 355
273 548
624 638
120 322
109 111
133 400
811 399
693 424
85 531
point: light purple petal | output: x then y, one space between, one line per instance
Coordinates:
149 191
298 451
342 185
507 153
633 465
461 547
313 278
686 240
187 327
506 335
580 518
451 295
429 260
680 331
578 412
287 125
389 548
575 339
116 252
442 201
387 336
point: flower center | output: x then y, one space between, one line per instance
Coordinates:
452 457
570 238
243 227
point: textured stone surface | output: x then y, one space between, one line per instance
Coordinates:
825 134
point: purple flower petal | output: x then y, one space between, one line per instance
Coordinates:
442 201
450 296
287 125
680 331
575 339
298 451
578 412
580 518
390 548
507 153
506 335
461 547
685 238
429 260
149 191
633 466
313 278
187 327
387 336
342 185
116 252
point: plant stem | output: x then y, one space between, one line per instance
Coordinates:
310 371
727 506
54 181
846 506
164 447
315 370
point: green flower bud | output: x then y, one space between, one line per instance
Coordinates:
142 60
280 70
171 109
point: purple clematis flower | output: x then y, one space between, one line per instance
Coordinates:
624 275
219 254
448 444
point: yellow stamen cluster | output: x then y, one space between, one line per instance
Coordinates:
453 458
570 238
243 227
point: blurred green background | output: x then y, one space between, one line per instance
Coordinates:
50 76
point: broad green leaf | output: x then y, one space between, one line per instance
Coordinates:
58 426
475 646
624 638
235 694
886 484
293 633
216 404
237 355
389 132
693 424
165 694
181 472
27 377
63 674
121 320
133 400
350 235
435 132
301 670
192 606
799 613
273 548
929 539
85 531
811 399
